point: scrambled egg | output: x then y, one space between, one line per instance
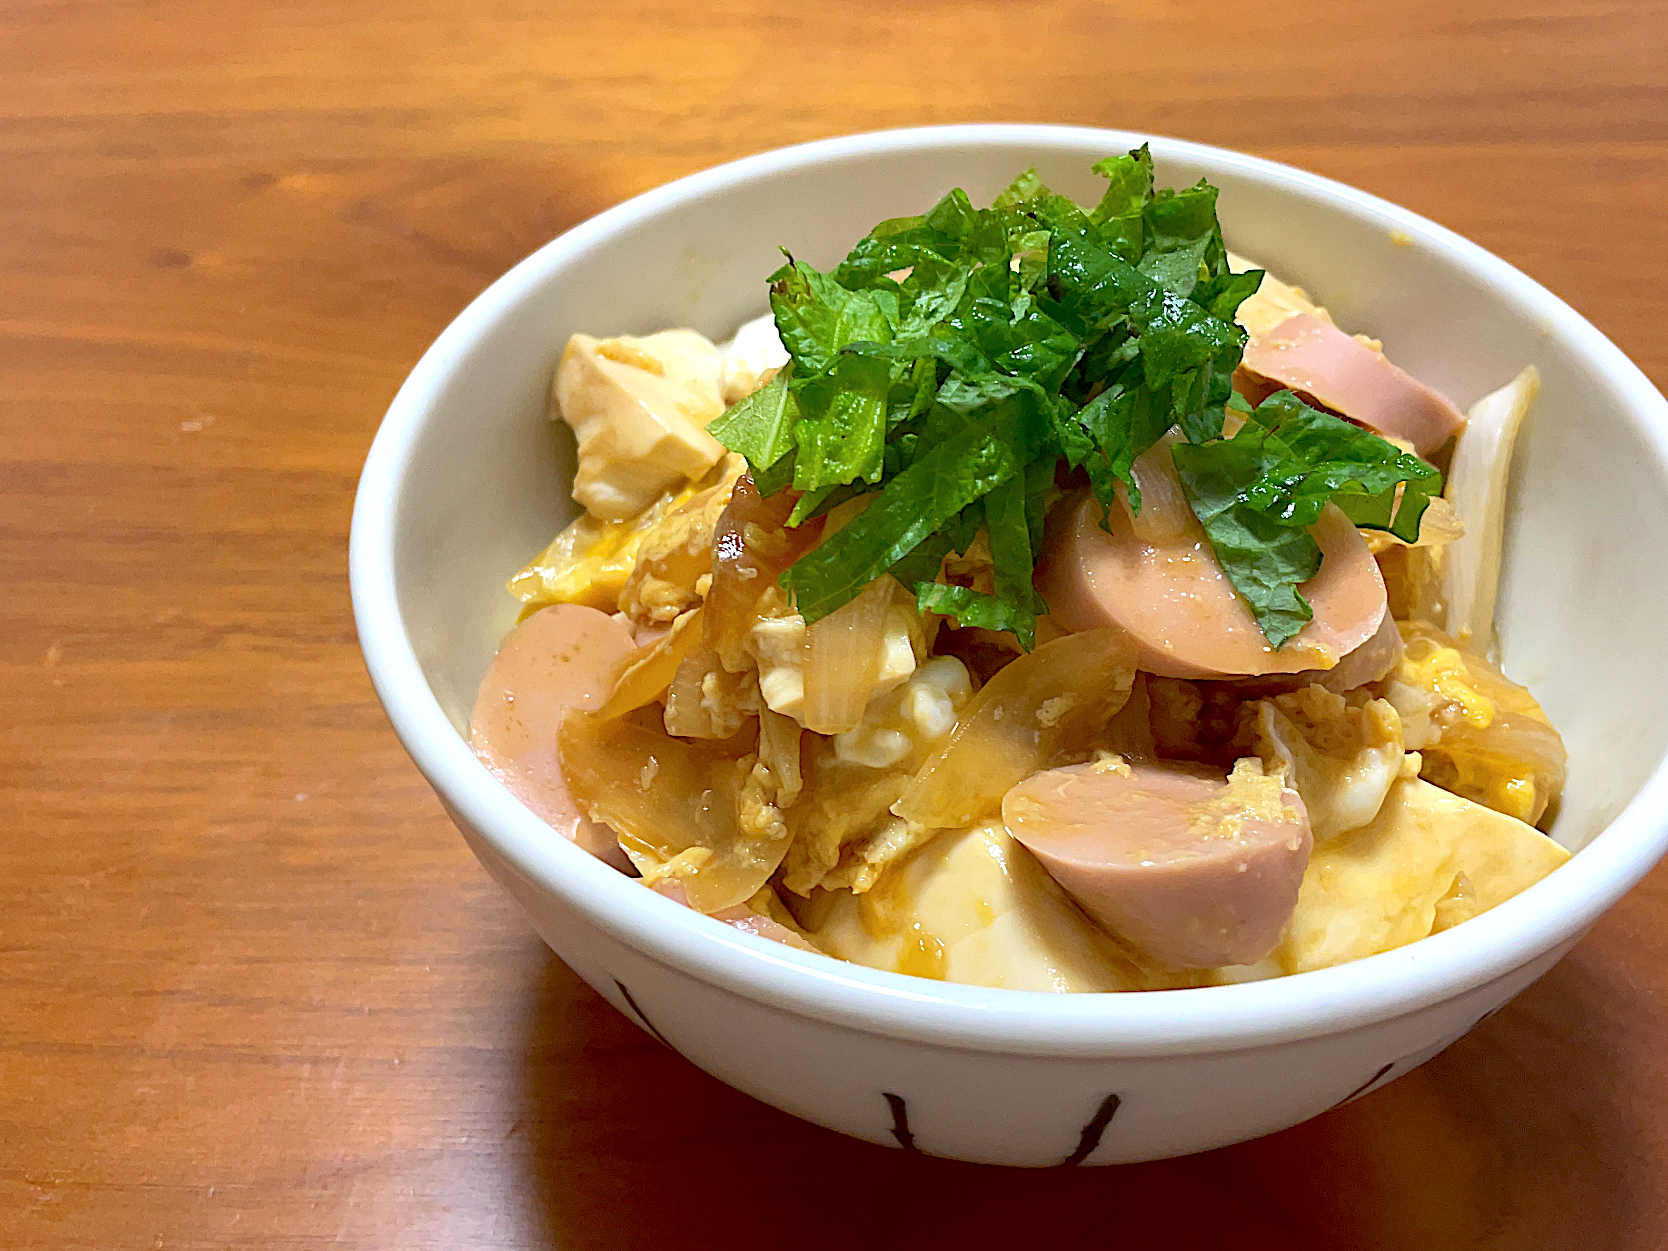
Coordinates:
649 566
974 907
675 552
589 562
1428 860
776 641
1478 733
1250 795
1340 754
706 700
848 835
845 812
910 720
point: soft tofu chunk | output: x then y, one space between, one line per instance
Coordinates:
973 906
1379 887
639 408
777 643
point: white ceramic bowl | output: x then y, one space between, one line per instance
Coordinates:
467 478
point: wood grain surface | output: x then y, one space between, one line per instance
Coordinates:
254 992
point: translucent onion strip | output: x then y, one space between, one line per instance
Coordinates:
1056 700
1477 483
666 797
1165 516
751 546
843 655
646 673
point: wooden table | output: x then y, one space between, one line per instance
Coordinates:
254 992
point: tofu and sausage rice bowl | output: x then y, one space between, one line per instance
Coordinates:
1043 598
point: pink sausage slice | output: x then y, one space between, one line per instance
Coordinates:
1370 662
747 921
740 917
1310 355
561 657
1178 607
1164 858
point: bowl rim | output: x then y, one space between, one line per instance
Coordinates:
1554 911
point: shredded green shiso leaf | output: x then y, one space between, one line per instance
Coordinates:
951 361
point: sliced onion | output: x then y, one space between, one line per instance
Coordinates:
669 797
645 674
1165 517
706 700
1413 584
1477 481
1056 700
779 739
751 546
843 659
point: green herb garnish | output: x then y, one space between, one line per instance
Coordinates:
953 359
1259 492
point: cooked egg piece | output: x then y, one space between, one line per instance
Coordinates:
676 551
776 640
590 561
1340 754
847 836
1479 734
